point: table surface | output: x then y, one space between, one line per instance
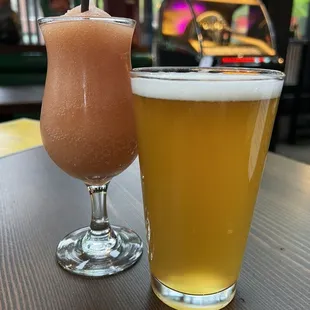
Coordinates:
39 204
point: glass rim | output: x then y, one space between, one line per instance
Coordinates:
180 74
116 20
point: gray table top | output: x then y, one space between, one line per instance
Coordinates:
39 204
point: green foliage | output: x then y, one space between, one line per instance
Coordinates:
301 8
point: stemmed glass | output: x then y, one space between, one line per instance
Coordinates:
88 130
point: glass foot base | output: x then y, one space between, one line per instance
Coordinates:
78 256
178 300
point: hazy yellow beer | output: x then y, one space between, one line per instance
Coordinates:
203 139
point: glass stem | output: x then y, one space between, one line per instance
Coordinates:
99 220
100 238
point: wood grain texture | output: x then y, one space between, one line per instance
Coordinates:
39 204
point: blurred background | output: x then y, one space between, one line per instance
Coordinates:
272 34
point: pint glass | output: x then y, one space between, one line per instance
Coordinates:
203 136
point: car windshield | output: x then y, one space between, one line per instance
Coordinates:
230 27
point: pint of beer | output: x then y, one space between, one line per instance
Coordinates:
203 136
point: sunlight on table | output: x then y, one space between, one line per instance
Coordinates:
19 135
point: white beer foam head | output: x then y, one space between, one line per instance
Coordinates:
206 86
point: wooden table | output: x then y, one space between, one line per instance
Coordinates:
39 204
20 99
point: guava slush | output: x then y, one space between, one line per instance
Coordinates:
87 121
